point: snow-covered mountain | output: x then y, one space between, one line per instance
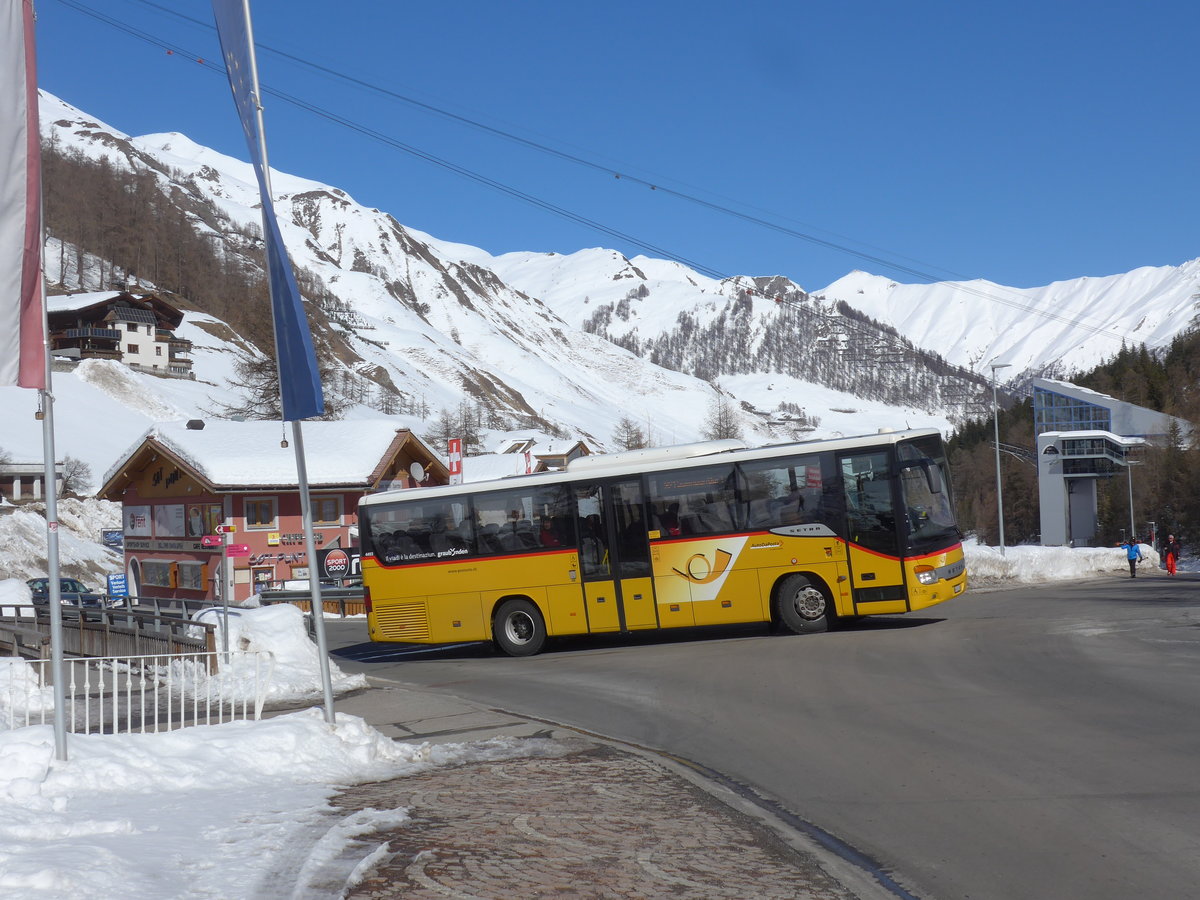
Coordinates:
571 343
1064 327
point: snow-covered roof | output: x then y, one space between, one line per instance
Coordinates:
1068 387
67 302
556 447
249 454
488 466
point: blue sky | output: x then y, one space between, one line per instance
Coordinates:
1019 142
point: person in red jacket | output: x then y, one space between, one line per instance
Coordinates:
1170 552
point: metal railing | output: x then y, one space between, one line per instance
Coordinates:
89 631
138 694
339 601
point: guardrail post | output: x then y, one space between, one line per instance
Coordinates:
210 641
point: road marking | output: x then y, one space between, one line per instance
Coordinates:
413 651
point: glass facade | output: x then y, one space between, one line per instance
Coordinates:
1058 412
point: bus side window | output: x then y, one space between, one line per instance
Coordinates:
593 548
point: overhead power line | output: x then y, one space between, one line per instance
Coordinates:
1015 301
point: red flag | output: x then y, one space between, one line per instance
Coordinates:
22 335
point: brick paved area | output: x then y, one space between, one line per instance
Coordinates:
596 823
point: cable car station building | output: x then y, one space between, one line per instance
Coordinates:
1083 436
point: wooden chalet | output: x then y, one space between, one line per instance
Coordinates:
212 506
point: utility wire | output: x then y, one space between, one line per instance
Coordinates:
1014 302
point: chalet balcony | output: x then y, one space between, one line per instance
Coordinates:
105 334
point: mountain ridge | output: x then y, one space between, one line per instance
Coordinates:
545 342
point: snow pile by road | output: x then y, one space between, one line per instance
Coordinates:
233 810
280 629
986 567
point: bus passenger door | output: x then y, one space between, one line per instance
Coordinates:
614 557
631 538
595 561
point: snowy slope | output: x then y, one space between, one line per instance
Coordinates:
1075 324
443 321
1059 328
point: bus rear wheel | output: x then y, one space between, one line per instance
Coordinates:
800 606
518 628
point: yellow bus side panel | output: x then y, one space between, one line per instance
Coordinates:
739 600
564 610
602 606
456 617
672 593
638 596
423 603
873 570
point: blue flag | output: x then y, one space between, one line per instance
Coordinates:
299 381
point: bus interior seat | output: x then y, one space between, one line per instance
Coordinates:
525 534
489 539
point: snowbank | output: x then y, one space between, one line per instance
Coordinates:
233 810
1040 565
280 629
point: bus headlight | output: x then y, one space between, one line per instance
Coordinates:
926 574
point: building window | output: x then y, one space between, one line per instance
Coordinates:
158 573
158 351
327 510
133 348
192 576
260 512
131 326
1057 412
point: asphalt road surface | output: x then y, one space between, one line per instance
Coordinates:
1028 743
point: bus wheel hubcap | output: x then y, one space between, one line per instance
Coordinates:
520 628
810 603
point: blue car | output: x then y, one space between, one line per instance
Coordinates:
73 592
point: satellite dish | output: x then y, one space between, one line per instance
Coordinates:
417 473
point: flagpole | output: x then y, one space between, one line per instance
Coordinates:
24 281
314 581
55 587
314 575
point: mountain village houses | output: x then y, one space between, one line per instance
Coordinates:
136 329
195 493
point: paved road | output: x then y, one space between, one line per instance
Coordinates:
1031 743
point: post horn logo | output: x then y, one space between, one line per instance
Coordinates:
707 573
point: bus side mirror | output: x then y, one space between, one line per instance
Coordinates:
933 477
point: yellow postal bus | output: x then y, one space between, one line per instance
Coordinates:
701 534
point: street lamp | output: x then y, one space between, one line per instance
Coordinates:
999 486
1129 474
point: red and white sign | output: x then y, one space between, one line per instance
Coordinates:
211 540
337 564
237 550
226 529
455 459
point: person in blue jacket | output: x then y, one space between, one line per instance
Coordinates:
1133 553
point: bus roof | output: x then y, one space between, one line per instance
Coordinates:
630 462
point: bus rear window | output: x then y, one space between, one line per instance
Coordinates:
419 531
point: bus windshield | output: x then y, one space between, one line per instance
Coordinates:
928 504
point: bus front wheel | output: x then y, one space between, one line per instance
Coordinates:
800 606
518 628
